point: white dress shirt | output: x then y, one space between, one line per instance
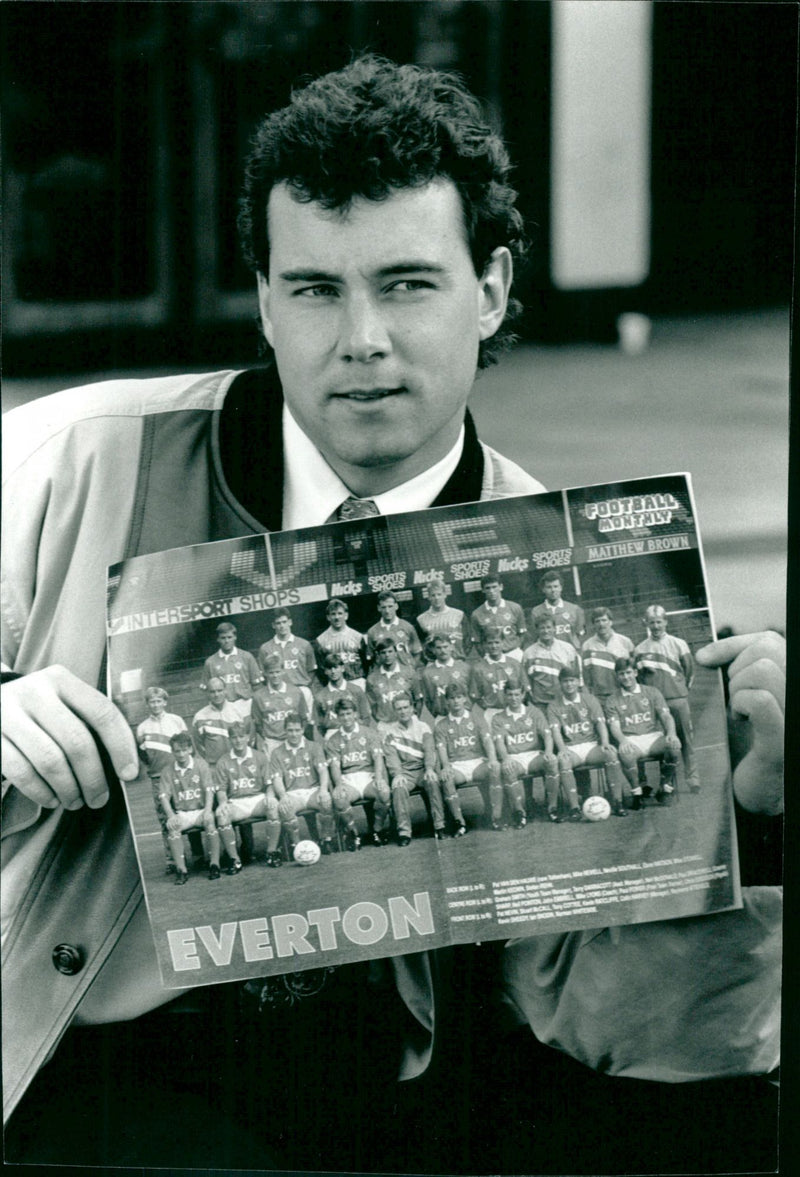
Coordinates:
312 490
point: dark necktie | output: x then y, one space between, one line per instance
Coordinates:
355 509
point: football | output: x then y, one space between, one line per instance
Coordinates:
596 809
307 853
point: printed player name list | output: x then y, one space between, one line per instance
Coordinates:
580 892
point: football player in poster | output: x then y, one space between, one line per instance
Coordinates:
337 686
641 724
244 792
443 618
212 723
272 703
580 733
665 662
296 655
187 797
340 638
441 669
238 669
388 678
490 674
497 613
600 652
410 757
358 773
569 619
467 756
301 782
402 633
544 660
152 738
524 744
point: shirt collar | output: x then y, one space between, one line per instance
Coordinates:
312 490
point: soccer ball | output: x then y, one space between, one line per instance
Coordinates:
596 809
306 853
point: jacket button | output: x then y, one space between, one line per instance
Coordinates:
67 959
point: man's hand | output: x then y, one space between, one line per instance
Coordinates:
52 723
174 824
673 743
757 682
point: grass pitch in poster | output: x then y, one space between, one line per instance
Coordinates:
525 743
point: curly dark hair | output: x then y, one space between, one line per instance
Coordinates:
374 127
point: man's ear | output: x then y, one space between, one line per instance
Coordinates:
263 307
494 289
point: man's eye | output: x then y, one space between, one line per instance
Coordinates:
410 286
319 290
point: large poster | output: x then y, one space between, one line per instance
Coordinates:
397 733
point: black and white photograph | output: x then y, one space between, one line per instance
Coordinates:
426 800
392 778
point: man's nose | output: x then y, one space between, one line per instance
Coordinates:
364 333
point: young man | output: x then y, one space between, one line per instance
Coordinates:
358 772
187 798
273 702
387 679
467 756
410 757
569 619
379 221
152 737
665 662
642 726
491 673
296 655
402 633
436 674
244 791
600 652
237 669
212 723
544 659
337 687
443 618
339 638
300 779
580 733
524 744
497 613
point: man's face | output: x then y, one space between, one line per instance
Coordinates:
388 657
294 734
552 590
627 678
334 674
436 595
388 609
337 617
602 627
239 743
441 649
514 698
274 676
569 687
375 315
226 640
546 632
156 705
282 627
402 710
656 625
493 592
456 704
347 718
183 755
494 646
216 692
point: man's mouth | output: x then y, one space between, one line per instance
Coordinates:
367 395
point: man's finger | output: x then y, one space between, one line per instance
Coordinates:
19 772
761 675
106 721
39 758
748 647
758 779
